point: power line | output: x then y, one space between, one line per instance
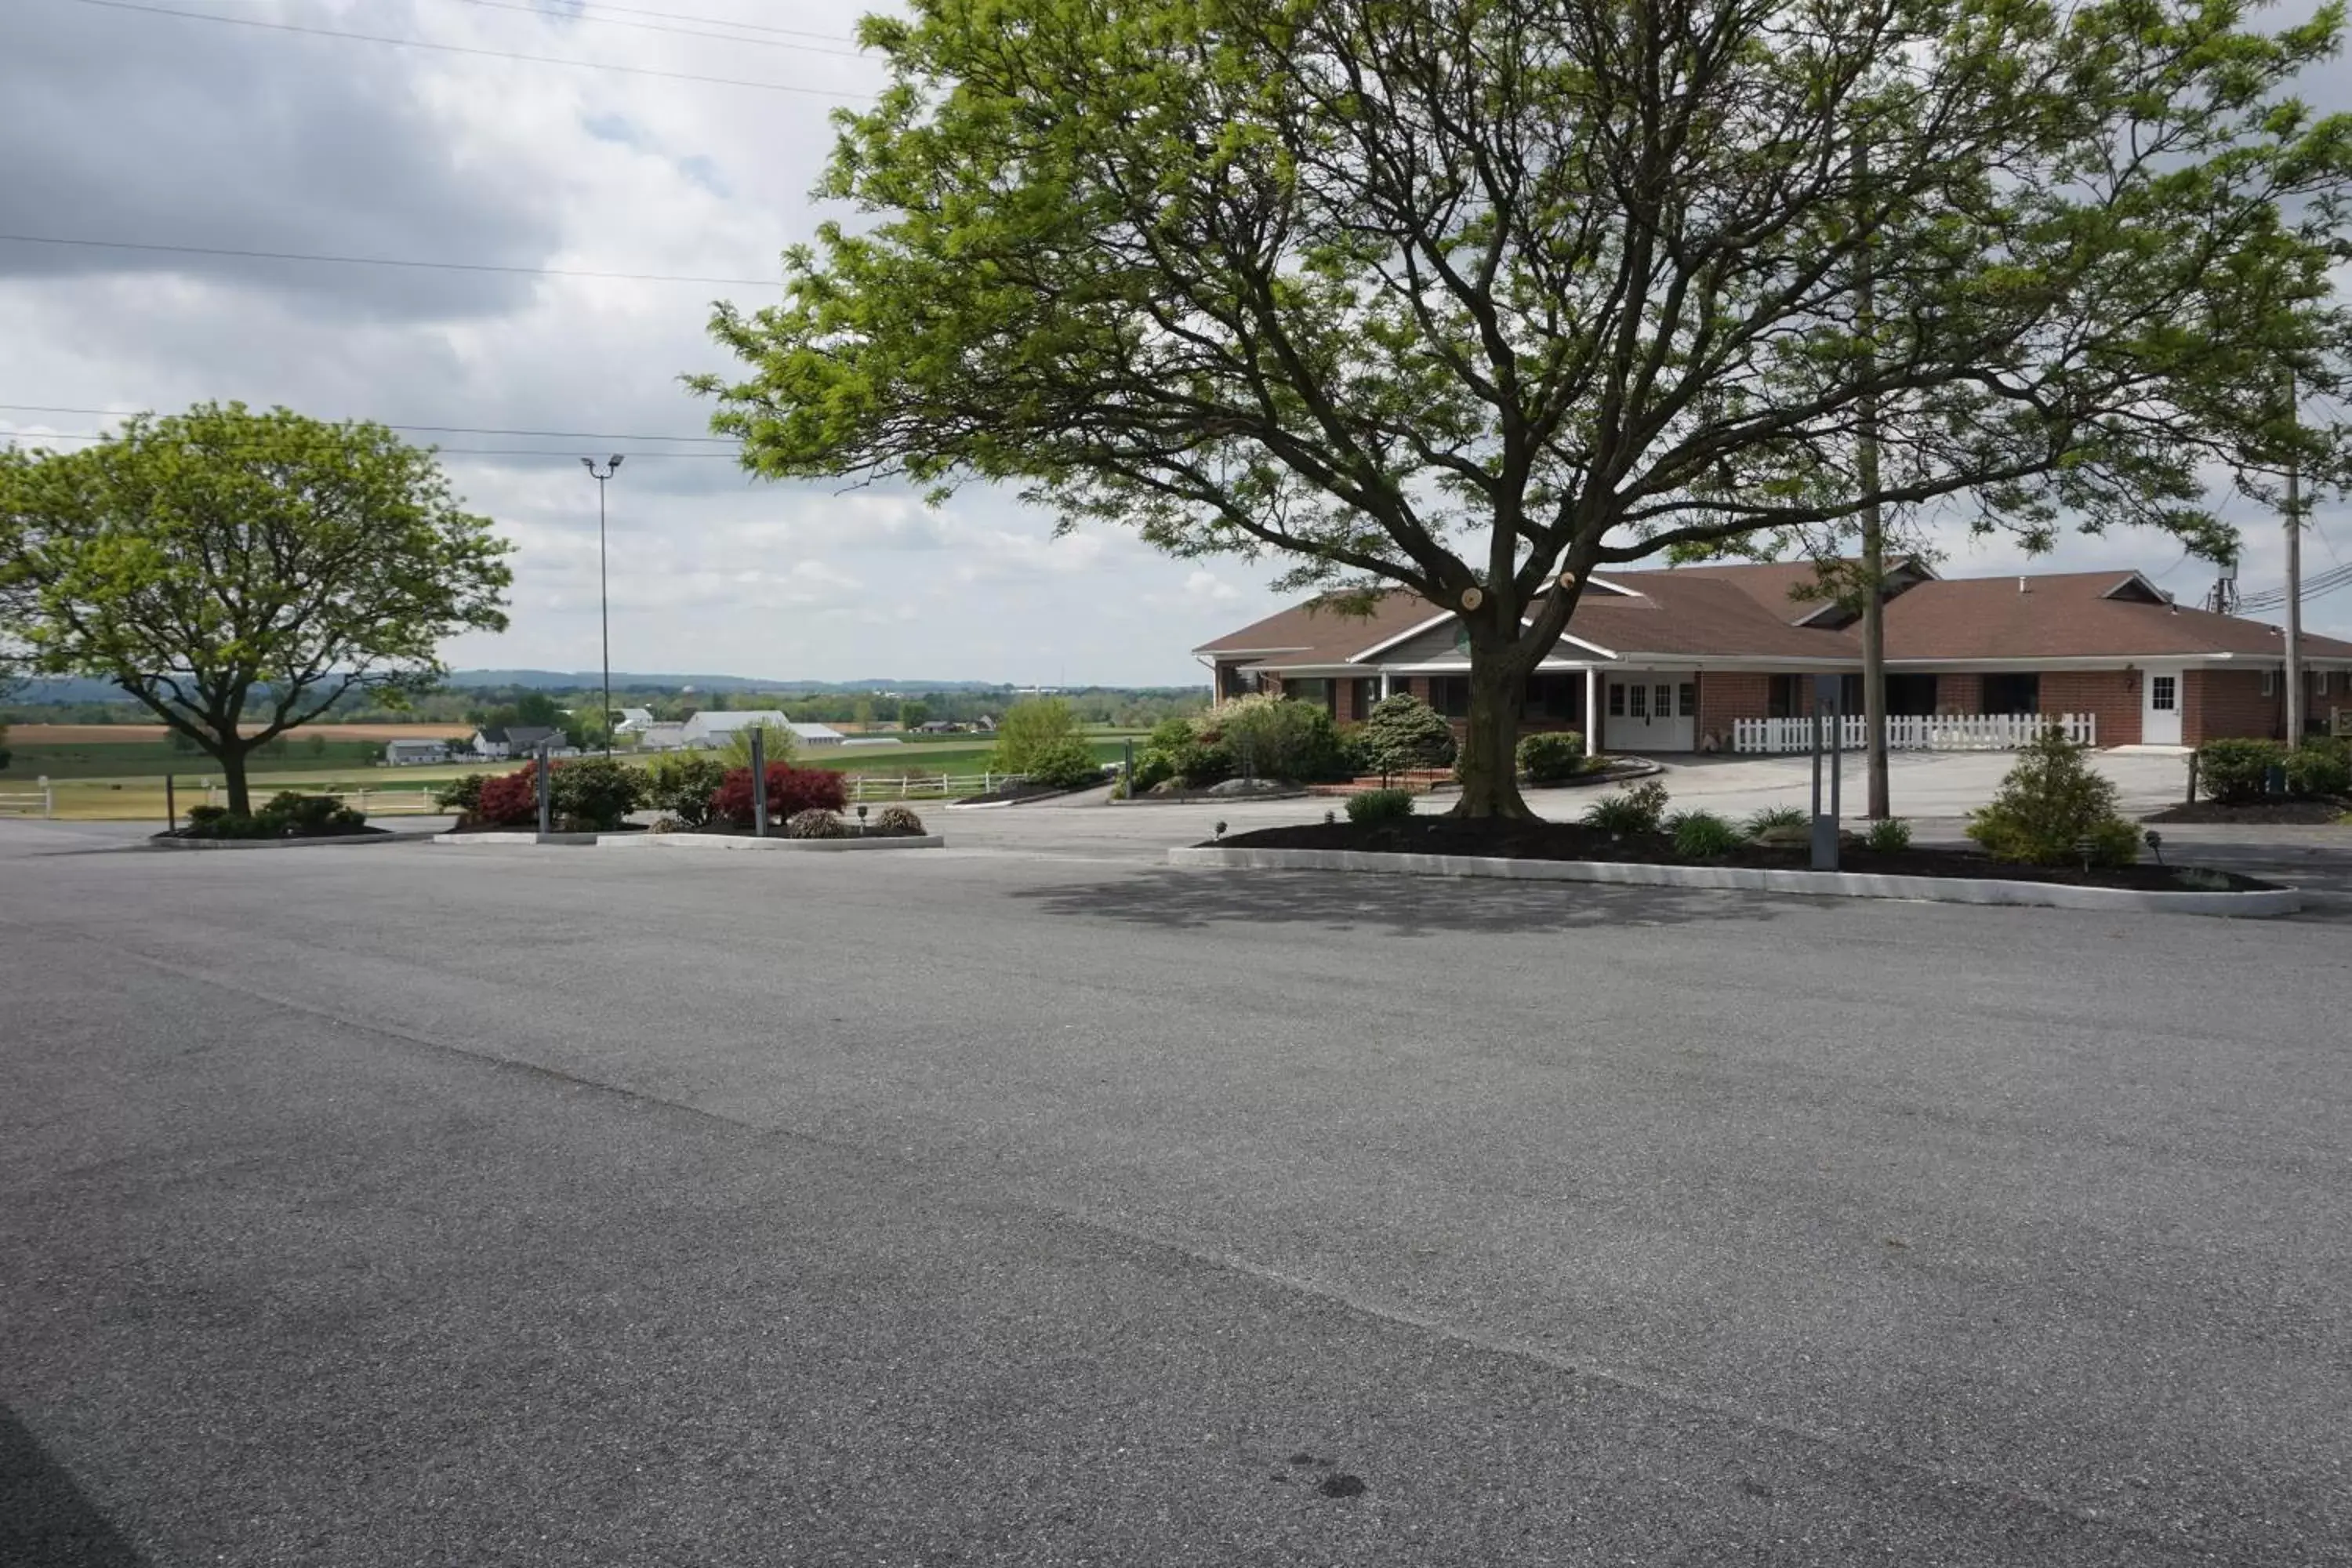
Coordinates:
467 50
720 22
37 437
445 429
529 10
381 260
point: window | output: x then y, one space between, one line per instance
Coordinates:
2270 683
1783 698
1368 691
1558 697
1318 692
1687 699
2012 693
1911 694
2319 681
1640 698
2163 693
1663 707
1450 694
1616 700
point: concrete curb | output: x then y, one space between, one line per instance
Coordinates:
1837 884
348 839
695 841
729 841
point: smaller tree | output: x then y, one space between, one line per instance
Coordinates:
220 563
2053 810
1029 728
777 744
914 713
1402 733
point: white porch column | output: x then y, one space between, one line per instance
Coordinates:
1384 684
1592 710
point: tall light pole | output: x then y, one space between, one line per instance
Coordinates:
604 591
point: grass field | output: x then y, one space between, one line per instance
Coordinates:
124 783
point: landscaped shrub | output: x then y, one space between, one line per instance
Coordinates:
1357 758
791 791
1888 835
2236 772
1776 819
594 794
1373 808
2320 768
1067 763
206 815
1027 729
508 800
2053 810
1276 738
287 810
1402 733
1152 769
1641 809
463 795
816 823
1552 757
680 785
897 820
1703 836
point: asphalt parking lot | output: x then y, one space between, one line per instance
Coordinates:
1028 1201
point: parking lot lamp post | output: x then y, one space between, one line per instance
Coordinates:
603 593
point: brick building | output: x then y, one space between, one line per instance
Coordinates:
1702 657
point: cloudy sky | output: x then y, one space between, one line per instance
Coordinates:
155 130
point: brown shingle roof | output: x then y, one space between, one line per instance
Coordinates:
2067 615
1735 612
1315 632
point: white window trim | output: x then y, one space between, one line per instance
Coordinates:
2270 682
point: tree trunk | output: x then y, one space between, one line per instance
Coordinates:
1489 762
232 760
1874 659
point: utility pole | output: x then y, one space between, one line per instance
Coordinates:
2294 579
1873 532
603 593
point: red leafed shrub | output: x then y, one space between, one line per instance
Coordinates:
791 791
510 800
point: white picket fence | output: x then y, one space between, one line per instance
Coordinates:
1919 731
915 787
42 799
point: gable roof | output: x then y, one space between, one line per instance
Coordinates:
740 719
1742 611
2072 614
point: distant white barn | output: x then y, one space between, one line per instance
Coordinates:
713 729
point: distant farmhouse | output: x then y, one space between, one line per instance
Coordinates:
634 722
711 731
410 754
519 740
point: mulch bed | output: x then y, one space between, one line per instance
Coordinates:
2259 813
1017 789
363 831
1573 841
467 825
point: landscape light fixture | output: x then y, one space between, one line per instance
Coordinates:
603 592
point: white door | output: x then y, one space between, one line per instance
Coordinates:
2159 707
1649 711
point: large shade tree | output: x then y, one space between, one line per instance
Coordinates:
239 572
1475 297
